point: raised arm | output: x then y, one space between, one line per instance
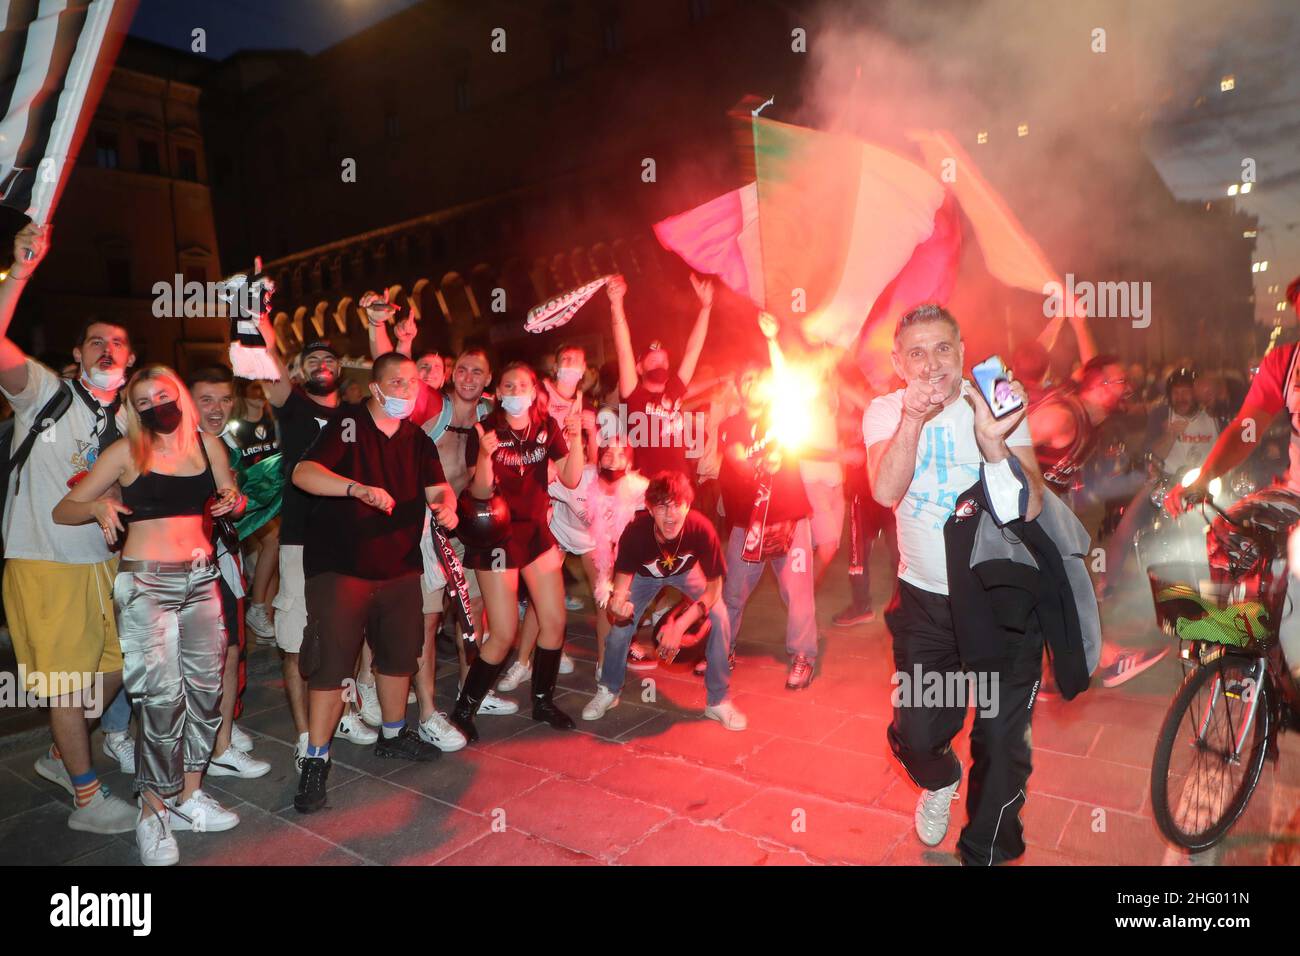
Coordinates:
277 392
616 289
30 241
700 331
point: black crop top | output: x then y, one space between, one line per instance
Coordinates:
157 495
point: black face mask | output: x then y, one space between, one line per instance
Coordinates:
162 419
656 376
612 475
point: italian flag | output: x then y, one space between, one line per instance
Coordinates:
842 237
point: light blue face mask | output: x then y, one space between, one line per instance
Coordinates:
396 407
516 404
569 375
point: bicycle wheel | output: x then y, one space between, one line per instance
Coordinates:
1201 780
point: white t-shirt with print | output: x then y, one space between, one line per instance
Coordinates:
570 518
947 463
1191 448
29 530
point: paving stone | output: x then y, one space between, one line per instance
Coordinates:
512 848
582 817
857 778
387 824
683 843
40 837
474 780
578 756
685 788
18 795
825 830
1090 780
699 739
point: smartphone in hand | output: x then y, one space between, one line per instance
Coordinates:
994 383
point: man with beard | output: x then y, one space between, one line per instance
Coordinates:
58 581
302 413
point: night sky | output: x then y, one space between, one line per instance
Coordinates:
232 25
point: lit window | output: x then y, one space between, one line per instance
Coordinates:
1245 188
1227 84
1281 307
1232 190
982 137
1263 266
1249 234
1022 129
1254 267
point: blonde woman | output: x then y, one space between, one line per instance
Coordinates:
173 481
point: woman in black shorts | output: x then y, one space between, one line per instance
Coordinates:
515 443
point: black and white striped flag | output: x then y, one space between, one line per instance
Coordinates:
55 57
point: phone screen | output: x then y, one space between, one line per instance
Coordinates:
995 385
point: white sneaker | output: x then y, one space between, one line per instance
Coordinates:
121 747
258 621
369 709
300 752
54 771
153 835
104 814
515 675
566 664
354 730
438 730
604 701
932 812
236 763
727 714
240 740
497 706
201 814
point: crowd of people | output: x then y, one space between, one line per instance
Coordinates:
154 524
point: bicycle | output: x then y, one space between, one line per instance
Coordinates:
1237 695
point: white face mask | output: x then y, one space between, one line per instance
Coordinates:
516 404
568 375
107 379
395 407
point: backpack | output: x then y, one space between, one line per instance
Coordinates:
12 459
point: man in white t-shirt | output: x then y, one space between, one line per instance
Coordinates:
58 581
925 445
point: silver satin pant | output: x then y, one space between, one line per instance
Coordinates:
174 653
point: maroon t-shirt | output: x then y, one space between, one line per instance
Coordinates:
789 501
348 536
655 429
519 466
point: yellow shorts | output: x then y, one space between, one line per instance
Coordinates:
62 623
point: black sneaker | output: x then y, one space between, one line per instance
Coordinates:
406 746
311 785
852 616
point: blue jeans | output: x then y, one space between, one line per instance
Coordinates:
117 718
794 579
644 589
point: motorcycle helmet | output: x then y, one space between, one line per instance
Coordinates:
483 523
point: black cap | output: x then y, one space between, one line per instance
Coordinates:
319 345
